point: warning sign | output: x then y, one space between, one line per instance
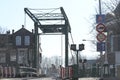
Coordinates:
101 37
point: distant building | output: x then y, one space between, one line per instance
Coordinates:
17 53
113 41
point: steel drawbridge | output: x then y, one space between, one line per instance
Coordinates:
53 21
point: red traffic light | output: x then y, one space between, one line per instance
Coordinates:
81 47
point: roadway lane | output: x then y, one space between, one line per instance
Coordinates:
44 78
26 78
90 78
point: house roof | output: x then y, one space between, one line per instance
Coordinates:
117 10
113 20
23 31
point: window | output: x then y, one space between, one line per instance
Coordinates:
27 40
18 40
2 58
13 55
115 43
22 57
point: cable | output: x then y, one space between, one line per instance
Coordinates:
72 38
69 46
44 8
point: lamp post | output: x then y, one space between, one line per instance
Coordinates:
83 61
73 47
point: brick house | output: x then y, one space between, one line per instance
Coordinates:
113 40
17 53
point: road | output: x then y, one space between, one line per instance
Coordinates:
27 79
88 78
44 79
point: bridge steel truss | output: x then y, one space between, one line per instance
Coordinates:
49 21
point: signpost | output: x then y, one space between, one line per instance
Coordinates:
101 46
100 18
100 27
101 37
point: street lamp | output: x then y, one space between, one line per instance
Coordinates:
101 46
73 47
83 61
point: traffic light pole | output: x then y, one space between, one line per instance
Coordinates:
77 64
73 47
101 52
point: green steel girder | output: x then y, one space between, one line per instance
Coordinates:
40 18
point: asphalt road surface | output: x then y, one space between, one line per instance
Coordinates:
27 79
43 79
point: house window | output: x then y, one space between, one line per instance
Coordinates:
115 43
13 56
2 58
27 40
18 40
22 57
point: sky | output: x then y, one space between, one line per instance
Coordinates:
81 14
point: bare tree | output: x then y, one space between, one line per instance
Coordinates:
108 8
2 30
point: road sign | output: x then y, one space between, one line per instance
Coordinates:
101 37
100 18
100 46
100 27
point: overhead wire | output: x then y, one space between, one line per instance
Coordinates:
70 46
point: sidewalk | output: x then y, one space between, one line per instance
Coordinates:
89 78
111 78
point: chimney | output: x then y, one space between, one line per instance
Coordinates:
13 31
32 30
22 26
8 32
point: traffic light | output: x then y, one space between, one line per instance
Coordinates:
85 60
80 60
73 47
81 47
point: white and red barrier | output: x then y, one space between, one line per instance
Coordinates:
13 71
9 72
5 72
1 71
70 72
62 72
66 72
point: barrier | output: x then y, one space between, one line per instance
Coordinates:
62 72
9 72
66 72
1 71
14 71
70 72
6 73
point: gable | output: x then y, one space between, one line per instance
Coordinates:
23 31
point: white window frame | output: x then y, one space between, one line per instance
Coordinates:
18 40
22 56
13 55
2 57
27 40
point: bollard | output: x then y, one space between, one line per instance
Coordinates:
1 71
9 69
5 69
14 71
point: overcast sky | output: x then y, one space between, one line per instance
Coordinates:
81 14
